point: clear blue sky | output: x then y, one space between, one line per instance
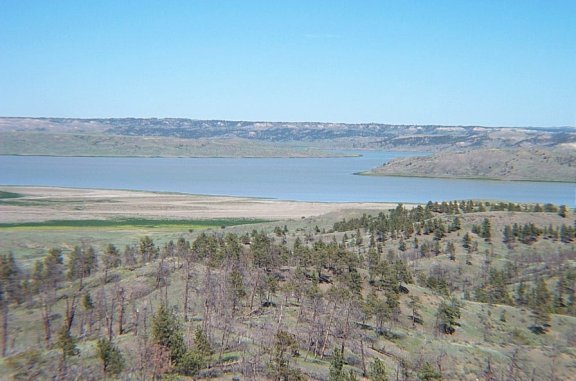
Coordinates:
495 63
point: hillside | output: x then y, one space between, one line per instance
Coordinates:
534 164
189 137
81 144
454 290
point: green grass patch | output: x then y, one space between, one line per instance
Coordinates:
132 222
6 195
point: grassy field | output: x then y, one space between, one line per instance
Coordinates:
123 224
29 241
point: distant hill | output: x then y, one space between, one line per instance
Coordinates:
535 164
131 136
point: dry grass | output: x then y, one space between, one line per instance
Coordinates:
43 204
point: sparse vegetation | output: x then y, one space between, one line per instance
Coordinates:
220 138
536 164
323 298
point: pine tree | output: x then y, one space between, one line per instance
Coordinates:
486 232
167 333
285 345
148 251
378 371
10 292
67 343
456 224
201 343
53 271
521 294
466 241
197 357
236 287
336 366
451 250
373 263
415 305
81 263
508 236
447 316
111 257
402 245
541 307
112 360
428 373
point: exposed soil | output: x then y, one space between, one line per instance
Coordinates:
47 203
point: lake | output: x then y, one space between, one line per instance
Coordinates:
304 179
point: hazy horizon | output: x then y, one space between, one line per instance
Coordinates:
279 121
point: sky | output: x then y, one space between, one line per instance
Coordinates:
465 62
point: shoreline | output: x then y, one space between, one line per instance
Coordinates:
187 157
44 203
479 178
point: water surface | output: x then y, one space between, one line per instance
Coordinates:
304 179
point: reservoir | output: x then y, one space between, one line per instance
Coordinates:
302 179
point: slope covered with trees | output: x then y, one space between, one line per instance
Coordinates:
451 290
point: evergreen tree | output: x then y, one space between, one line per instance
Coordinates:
336 366
393 303
415 305
53 268
466 241
147 249
359 239
451 250
111 357
436 248
447 316
236 287
378 371
486 232
508 236
285 345
197 357
167 333
10 279
428 373
541 306
373 263
521 294
67 343
81 263
201 344
111 257
402 245
10 292
456 224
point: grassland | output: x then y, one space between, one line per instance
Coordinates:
127 223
